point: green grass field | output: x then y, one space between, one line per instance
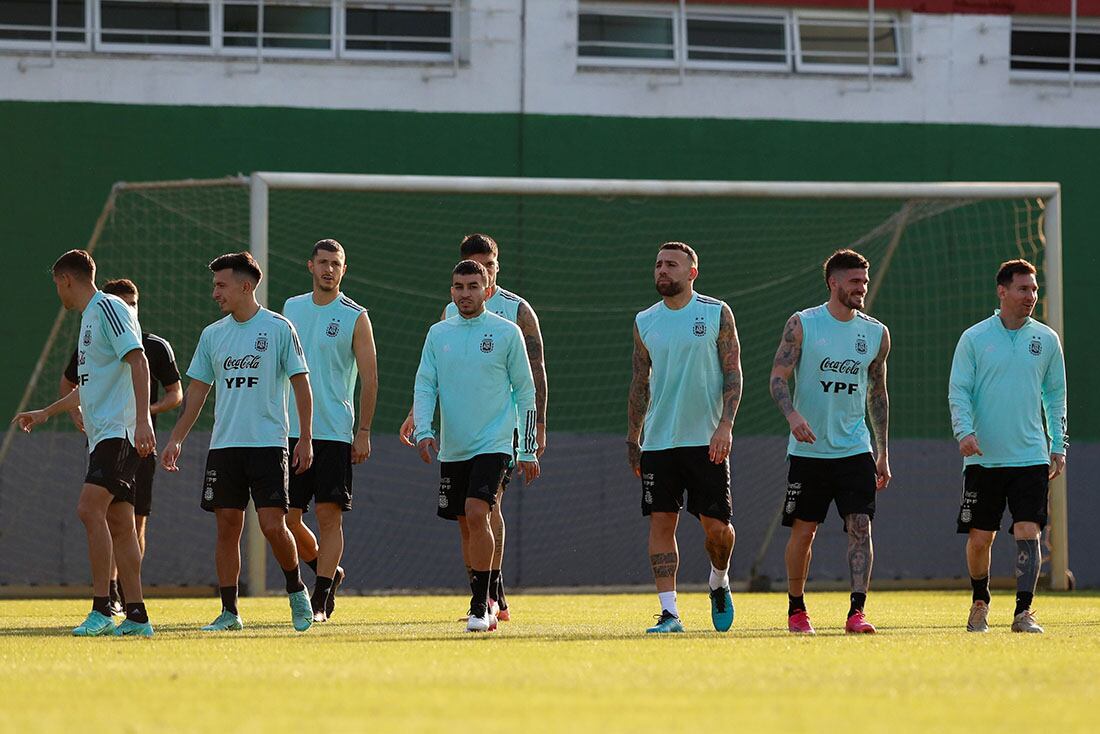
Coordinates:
579 663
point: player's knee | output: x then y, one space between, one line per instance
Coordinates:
89 512
719 532
477 511
858 524
272 526
803 532
1026 531
663 523
329 516
980 539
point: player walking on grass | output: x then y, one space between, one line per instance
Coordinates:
1008 371
338 341
113 390
838 354
249 354
483 249
685 389
162 372
475 366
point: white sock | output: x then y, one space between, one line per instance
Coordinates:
668 602
719 578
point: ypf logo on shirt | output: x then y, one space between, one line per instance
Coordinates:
261 342
333 328
487 343
1036 346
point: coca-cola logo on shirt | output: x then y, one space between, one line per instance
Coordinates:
845 367
247 362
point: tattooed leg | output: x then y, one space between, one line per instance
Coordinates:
860 552
664 557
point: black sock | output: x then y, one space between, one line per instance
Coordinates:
102 604
112 591
796 604
496 588
981 589
136 612
479 585
858 600
1023 601
293 580
312 564
320 593
229 598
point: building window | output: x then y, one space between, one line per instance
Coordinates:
738 40
621 36
1041 47
839 43
407 30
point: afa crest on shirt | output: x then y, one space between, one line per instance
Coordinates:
87 336
700 328
861 344
1036 346
333 328
261 342
487 343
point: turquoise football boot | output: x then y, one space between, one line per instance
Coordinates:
94 625
130 628
721 609
667 622
226 622
301 611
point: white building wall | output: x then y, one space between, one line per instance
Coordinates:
959 73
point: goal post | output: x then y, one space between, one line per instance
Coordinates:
580 251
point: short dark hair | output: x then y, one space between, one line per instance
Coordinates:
75 262
682 248
472 267
844 260
241 263
478 244
120 287
328 245
1011 268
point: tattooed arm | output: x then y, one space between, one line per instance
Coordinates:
637 403
528 323
729 356
878 408
786 358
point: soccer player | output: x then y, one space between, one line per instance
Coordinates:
839 356
483 249
113 390
686 388
338 341
475 366
1008 371
163 372
250 354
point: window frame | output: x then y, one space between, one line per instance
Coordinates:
13 44
1047 24
804 67
630 11
267 52
451 6
116 47
784 64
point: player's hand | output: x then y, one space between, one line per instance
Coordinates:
969 446
77 417
721 443
426 447
170 455
529 469
303 456
1057 465
360 448
406 431
145 441
29 419
882 472
540 439
800 428
634 456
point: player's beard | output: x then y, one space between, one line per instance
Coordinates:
849 302
669 288
327 285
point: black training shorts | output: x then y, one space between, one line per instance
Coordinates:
328 479
479 477
986 491
112 465
668 473
143 485
233 474
813 484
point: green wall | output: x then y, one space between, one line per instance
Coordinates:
59 160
